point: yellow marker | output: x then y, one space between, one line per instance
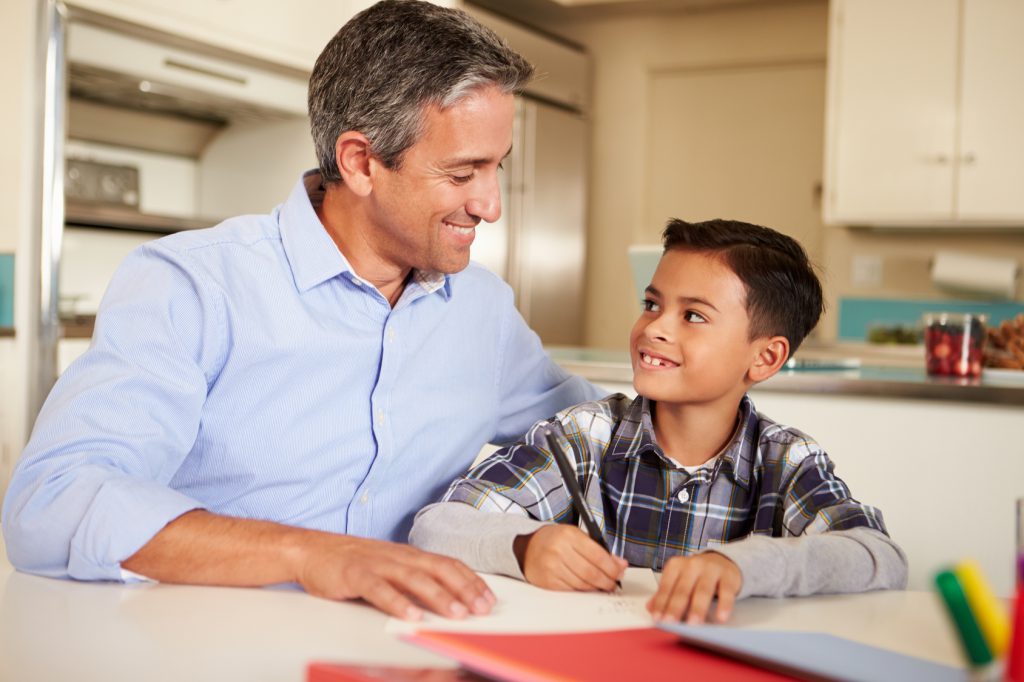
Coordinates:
988 611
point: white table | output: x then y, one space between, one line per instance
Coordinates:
62 630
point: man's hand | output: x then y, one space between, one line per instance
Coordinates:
688 584
397 579
200 548
563 557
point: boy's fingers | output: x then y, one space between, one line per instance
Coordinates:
659 602
726 599
679 600
700 599
611 566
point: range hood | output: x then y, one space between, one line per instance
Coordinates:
133 90
140 73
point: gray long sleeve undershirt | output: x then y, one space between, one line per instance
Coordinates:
855 560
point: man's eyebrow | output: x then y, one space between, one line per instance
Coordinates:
472 161
684 299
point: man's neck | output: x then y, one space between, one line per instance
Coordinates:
344 217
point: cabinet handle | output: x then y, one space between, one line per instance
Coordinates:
940 159
968 159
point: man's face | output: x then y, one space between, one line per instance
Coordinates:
425 213
690 345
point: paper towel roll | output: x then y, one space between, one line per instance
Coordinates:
996 277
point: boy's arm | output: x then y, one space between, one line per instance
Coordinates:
854 560
830 542
483 540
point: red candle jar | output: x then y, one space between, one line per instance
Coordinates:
954 343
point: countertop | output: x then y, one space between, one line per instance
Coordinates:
845 369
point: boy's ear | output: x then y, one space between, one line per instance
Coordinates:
353 156
771 356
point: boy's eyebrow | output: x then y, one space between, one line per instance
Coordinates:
685 299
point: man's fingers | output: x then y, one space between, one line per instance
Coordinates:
464 584
389 600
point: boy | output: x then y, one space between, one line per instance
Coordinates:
687 478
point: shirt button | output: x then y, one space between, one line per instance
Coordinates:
391 335
365 498
380 417
357 282
683 496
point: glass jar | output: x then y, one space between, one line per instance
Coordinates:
954 343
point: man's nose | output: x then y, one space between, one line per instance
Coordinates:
486 203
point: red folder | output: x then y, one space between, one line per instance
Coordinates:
637 654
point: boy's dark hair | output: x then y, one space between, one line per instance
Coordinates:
783 293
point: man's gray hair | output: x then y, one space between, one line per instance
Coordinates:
389 62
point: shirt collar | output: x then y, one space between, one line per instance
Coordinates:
738 457
313 255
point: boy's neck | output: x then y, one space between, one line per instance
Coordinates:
690 435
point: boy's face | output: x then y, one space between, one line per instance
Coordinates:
690 345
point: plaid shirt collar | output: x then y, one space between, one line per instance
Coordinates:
737 459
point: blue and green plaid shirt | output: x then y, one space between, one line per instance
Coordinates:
770 480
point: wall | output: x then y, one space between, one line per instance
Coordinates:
18 129
648 69
663 85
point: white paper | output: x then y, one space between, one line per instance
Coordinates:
523 608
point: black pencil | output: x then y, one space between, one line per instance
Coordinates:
575 494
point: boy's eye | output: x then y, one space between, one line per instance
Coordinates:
650 306
693 316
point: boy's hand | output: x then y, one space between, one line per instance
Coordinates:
688 584
563 557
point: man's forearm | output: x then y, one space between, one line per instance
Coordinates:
203 548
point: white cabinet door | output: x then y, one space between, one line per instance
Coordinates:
892 106
926 113
992 113
288 33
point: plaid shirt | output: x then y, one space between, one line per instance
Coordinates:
770 480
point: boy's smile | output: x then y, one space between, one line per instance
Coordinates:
691 344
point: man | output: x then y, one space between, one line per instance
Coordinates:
273 399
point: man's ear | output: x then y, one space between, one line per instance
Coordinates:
353 156
771 356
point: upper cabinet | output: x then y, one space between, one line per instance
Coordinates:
287 33
925 113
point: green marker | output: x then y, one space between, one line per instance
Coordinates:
973 641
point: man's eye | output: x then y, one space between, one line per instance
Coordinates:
692 316
650 306
461 179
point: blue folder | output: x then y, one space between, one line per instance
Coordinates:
815 655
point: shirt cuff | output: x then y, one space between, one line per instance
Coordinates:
124 515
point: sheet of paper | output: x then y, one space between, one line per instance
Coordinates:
524 608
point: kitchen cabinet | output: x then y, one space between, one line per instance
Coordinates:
287 33
925 113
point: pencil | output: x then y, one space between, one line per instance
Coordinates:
579 503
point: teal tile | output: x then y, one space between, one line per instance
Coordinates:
856 315
6 289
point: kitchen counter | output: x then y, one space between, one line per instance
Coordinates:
841 369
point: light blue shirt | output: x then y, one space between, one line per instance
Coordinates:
247 370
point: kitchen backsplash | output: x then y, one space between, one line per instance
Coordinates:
858 315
